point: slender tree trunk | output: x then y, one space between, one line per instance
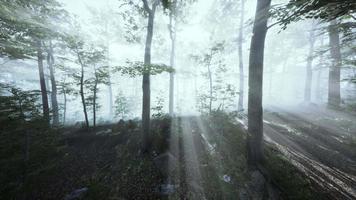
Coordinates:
82 91
172 59
146 99
241 64
318 90
111 104
45 106
94 103
94 98
270 83
309 70
50 61
111 101
334 97
255 110
64 107
318 95
210 88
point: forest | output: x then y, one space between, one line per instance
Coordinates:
178 99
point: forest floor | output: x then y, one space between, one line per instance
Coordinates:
318 141
191 158
106 163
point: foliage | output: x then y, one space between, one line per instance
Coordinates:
17 105
325 10
122 107
219 93
137 68
25 22
158 111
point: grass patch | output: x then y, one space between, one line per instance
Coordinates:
294 184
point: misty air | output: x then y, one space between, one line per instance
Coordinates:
178 99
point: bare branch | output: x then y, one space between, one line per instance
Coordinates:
146 6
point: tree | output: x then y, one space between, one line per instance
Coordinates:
18 105
101 76
45 106
50 62
172 35
241 64
326 11
175 15
65 88
78 48
146 99
334 98
122 107
309 70
255 110
29 31
207 59
108 26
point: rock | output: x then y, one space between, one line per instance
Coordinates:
226 178
77 194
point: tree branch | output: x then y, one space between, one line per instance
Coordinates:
146 6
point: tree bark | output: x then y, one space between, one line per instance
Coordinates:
309 70
241 64
45 106
172 62
82 90
94 97
255 110
334 97
210 87
50 61
94 105
64 107
318 95
111 104
146 99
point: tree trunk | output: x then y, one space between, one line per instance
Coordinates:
45 106
111 104
94 97
334 98
210 88
318 95
94 104
309 70
172 59
64 107
318 90
255 111
50 61
82 91
241 64
146 99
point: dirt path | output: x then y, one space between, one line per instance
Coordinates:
320 149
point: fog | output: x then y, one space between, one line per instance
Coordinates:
206 95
